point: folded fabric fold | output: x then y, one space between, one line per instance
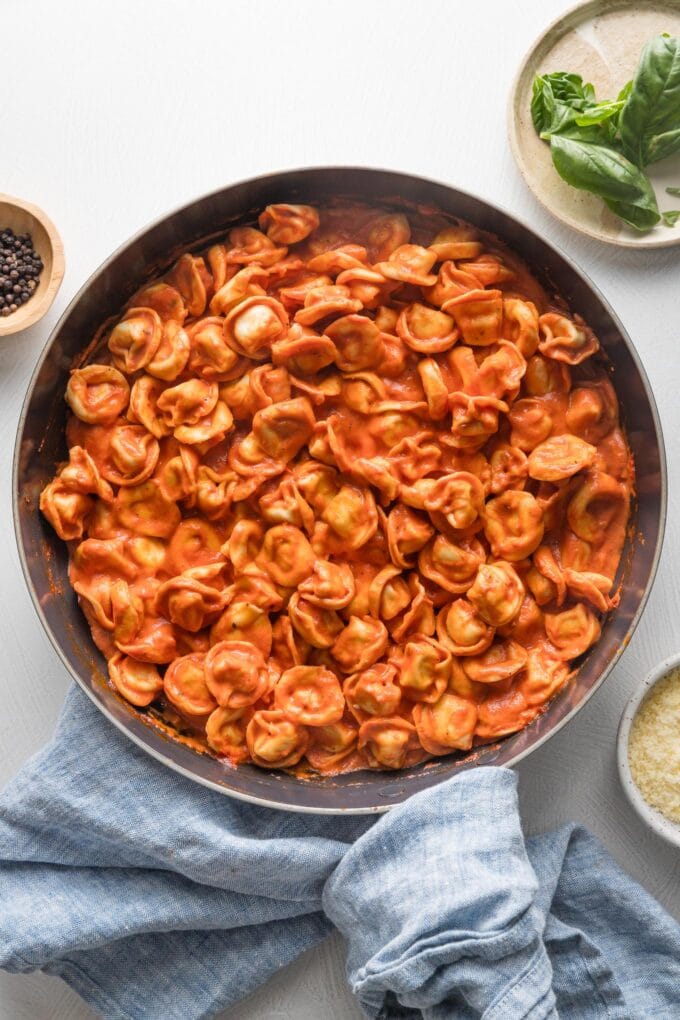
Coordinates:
157 899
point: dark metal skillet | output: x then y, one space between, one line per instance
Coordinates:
40 445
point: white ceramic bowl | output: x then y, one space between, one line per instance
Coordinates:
663 826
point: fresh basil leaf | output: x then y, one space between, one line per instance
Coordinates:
649 122
605 172
559 104
557 99
599 113
673 191
625 91
670 217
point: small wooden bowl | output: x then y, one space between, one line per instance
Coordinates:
24 218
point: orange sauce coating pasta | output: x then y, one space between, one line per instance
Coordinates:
346 490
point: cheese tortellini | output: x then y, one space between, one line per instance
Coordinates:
346 489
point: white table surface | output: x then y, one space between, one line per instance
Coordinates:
113 113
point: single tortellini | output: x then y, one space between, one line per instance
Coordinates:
387 233
210 356
387 741
373 691
474 419
247 245
144 510
351 519
274 740
592 412
225 732
513 524
135 340
304 351
445 725
325 300
462 630
501 661
358 343
189 601
288 224
458 496
503 713
360 643
286 555
520 325
97 394
565 339
426 330
451 282
407 533
193 543
172 355
599 503
560 457
418 618
185 687
478 314
193 281
545 376
337 260
310 695
282 429
451 565
162 298
154 642
252 326
435 388
509 468
318 625
388 593
237 287
497 593
132 456
366 285
81 474
501 372
330 585
410 263
236 674
531 423
244 621
144 409
330 746
140 683
544 675
572 631
424 668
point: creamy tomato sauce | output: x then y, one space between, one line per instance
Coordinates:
347 490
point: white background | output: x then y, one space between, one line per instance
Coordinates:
112 113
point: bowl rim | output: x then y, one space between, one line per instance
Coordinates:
34 314
664 827
271 175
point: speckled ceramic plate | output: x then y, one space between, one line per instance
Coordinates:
602 41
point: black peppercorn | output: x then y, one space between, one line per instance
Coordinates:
20 268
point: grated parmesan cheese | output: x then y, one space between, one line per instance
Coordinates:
654 746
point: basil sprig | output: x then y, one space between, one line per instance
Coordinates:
650 121
604 147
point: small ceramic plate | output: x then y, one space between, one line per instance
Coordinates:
664 827
602 41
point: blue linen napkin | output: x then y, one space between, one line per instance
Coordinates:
157 899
